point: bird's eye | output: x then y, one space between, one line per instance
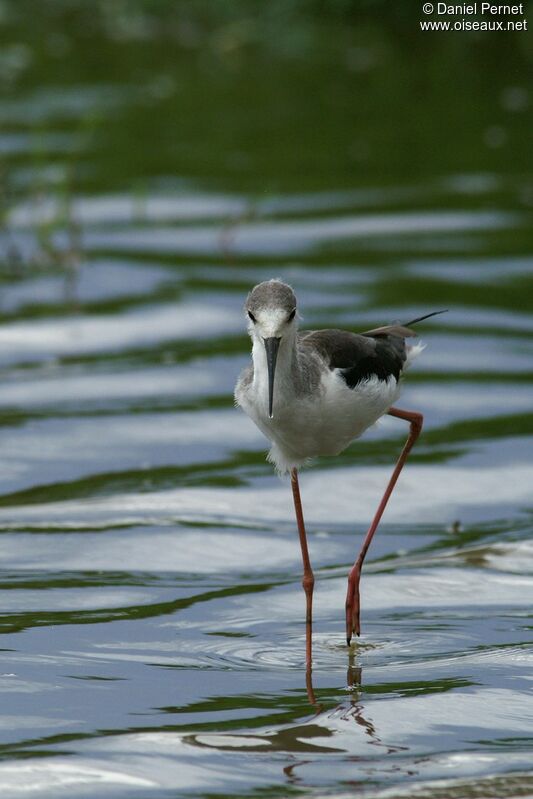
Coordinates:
252 317
292 314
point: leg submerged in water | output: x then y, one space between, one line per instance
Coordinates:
308 581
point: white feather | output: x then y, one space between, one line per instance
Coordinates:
323 423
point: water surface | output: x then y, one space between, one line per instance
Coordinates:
150 604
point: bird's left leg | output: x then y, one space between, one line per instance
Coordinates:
308 581
352 597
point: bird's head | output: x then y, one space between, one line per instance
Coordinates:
272 323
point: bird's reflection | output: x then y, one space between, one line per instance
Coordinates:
353 709
353 676
302 739
309 661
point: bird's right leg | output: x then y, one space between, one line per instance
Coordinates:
308 581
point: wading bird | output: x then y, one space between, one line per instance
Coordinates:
312 393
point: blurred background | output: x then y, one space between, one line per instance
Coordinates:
157 159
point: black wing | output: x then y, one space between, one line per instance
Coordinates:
358 357
377 353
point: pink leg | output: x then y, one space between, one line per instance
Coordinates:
308 578
352 597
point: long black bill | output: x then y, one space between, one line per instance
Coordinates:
271 347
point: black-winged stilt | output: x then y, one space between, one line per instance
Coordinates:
312 393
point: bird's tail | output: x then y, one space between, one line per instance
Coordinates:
421 318
403 331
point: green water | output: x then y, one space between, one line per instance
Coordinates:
158 160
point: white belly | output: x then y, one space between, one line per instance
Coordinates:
323 423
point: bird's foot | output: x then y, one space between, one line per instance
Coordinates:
353 623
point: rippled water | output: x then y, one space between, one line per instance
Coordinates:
151 612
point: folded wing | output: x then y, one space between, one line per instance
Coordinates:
361 357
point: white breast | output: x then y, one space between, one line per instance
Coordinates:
321 423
